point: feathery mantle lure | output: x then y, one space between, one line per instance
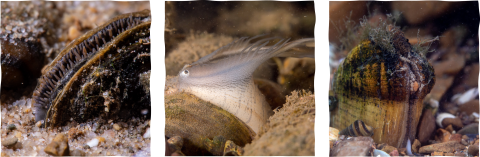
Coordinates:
225 79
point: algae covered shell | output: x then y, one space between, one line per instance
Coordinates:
383 83
98 74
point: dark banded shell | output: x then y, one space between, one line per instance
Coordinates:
98 74
358 128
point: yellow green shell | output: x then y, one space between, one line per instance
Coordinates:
384 87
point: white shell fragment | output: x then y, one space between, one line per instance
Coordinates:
442 116
93 143
147 133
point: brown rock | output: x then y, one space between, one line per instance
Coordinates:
427 126
10 142
402 151
73 133
58 147
442 135
449 128
446 147
470 79
77 152
415 146
473 150
456 122
355 146
469 107
456 137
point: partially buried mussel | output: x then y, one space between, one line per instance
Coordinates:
382 82
100 73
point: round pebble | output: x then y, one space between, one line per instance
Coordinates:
10 142
38 124
117 127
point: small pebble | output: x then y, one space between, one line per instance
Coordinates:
39 123
130 149
18 134
473 150
77 152
10 142
93 143
147 133
59 146
117 127
73 32
11 127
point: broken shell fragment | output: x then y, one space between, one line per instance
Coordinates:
383 83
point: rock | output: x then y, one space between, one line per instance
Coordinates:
469 129
459 154
77 152
416 145
93 143
388 149
117 127
402 151
147 133
10 142
456 122
73 133
473 150
456 137
469 107
355 146
442 135
73 33
231 149
11 127
446 147
59 146
39 123
449 128
427 126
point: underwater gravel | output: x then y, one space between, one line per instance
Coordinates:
128 140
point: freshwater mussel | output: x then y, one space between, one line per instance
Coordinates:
100 74
382 82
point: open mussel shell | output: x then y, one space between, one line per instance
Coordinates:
384 87
199 123
100 74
